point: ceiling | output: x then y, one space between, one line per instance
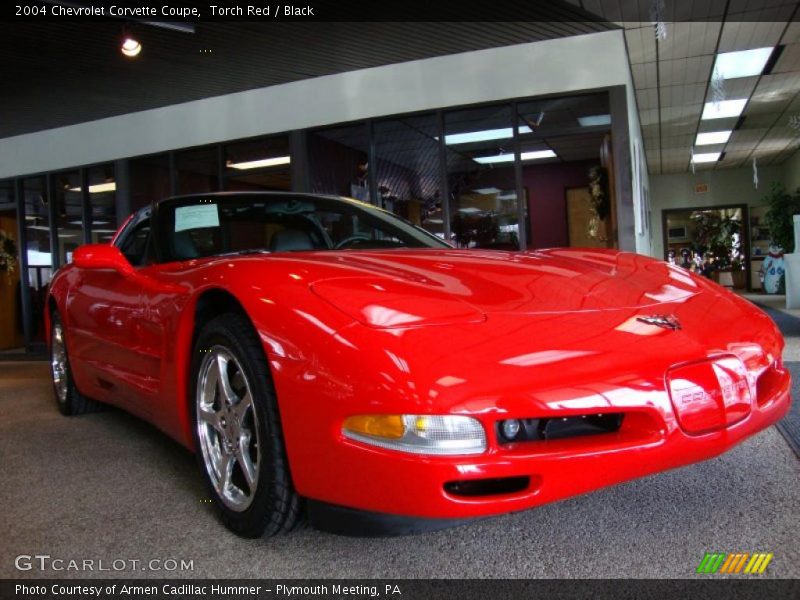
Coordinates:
58 74
672 77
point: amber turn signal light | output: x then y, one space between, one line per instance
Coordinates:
384 426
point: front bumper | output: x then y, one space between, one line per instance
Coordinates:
402 488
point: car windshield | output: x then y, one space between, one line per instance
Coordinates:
197 227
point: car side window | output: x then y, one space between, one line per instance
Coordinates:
135 245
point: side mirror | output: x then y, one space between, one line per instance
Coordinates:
106 256
102 256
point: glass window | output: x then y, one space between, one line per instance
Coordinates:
135 245
38 250
150 180
339 160
103 203
480 177
10 294
234 225
37 223
198 170
66 188
258 165
560 144
407 152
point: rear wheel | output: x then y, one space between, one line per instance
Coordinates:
68 399
237 432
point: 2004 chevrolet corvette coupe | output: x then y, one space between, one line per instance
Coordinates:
319 351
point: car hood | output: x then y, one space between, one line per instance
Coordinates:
387 289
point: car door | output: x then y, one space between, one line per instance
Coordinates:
107 313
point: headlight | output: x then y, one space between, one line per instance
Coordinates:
418 434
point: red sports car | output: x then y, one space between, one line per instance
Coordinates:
321 355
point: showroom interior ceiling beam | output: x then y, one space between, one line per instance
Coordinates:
672 77
80 64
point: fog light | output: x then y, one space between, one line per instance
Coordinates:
418 434
510 428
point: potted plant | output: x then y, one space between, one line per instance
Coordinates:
778 219
8 253
718 238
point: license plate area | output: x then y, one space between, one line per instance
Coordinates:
709 395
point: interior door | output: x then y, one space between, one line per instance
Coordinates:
579 216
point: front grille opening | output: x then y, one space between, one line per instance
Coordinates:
557 428
487 487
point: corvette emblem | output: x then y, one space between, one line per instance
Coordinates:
663 321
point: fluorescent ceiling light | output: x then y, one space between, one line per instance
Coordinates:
257 164
500 158
712 137
595 120
538 154
706 157
98 188
484 135
723 109
487 191
744 63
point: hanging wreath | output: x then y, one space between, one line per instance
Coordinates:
8 253
598 188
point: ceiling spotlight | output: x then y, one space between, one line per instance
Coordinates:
130 46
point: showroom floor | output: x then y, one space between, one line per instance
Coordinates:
107 486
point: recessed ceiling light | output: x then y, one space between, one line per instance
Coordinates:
595 120
264 162
98 188
723 109
706 157
744 63
130 47
500 158
712 137
484 135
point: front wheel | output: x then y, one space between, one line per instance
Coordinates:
237 430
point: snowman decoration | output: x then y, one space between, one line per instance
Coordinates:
772 270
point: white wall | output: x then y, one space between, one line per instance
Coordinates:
554 66
791 172
726 186
641 181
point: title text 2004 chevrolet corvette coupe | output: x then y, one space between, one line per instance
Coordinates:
320 348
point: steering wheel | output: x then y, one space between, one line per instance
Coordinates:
357 237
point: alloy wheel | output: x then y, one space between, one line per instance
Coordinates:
227 428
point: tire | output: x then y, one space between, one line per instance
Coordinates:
69 400
237 430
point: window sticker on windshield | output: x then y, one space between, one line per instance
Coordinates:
196 217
